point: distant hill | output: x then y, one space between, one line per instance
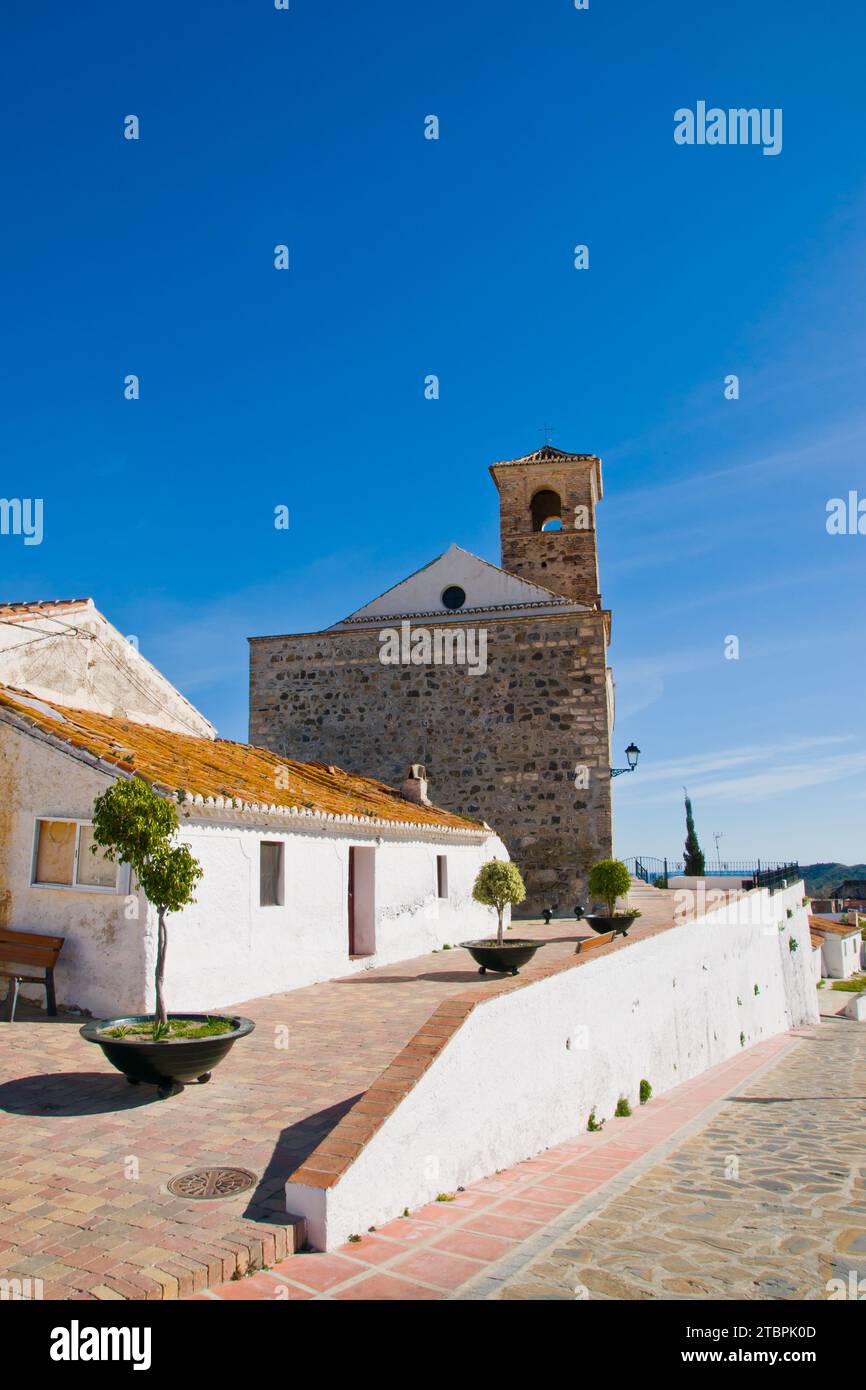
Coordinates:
821 879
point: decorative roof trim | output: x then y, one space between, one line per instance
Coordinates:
378 619
228 807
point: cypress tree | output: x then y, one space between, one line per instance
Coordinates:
694 863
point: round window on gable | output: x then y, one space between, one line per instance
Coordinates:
453 597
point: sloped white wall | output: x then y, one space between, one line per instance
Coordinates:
526 1068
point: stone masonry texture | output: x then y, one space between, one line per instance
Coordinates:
502 746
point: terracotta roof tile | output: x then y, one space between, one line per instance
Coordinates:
218 768
548 453
42 608
827 927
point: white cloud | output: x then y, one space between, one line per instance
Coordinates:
778 777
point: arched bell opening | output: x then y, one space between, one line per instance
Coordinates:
546 510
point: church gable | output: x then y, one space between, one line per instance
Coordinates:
458 581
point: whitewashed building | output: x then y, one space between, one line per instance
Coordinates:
310 872
841 946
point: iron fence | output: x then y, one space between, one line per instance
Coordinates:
756 873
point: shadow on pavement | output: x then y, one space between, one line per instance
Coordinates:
73 1093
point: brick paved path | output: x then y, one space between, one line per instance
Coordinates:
767 1201
77 1212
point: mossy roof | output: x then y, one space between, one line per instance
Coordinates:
218 768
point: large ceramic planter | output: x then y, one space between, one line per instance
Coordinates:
167 1065
507 958
620 923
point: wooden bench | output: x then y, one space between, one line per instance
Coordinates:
592 942
19 948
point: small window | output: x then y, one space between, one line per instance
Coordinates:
270 873
454 597
64 857
442 875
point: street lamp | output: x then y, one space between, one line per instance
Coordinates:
632 753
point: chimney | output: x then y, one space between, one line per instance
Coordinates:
415 786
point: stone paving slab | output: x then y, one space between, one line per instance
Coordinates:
468 1247
84 1157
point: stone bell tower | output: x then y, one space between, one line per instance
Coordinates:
547 506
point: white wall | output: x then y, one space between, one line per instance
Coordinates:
81 660
842 956
102 964
486 586
709 883
224 948
526 1067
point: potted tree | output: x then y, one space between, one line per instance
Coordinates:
132 823
498 885
609 879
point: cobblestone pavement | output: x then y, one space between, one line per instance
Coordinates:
766 1201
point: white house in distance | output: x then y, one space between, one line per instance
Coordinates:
841 946
310 872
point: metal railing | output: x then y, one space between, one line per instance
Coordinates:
758 873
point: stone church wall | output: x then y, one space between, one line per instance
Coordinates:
523 746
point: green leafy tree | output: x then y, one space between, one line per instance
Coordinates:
132 823
498 884
693 861
609 879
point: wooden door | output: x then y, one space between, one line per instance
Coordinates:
351 901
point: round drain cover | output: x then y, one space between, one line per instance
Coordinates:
208 1183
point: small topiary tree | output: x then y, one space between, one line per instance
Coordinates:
609 879
499 884
132 823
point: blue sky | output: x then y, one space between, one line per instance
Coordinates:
454 257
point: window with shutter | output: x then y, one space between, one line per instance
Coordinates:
270 874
